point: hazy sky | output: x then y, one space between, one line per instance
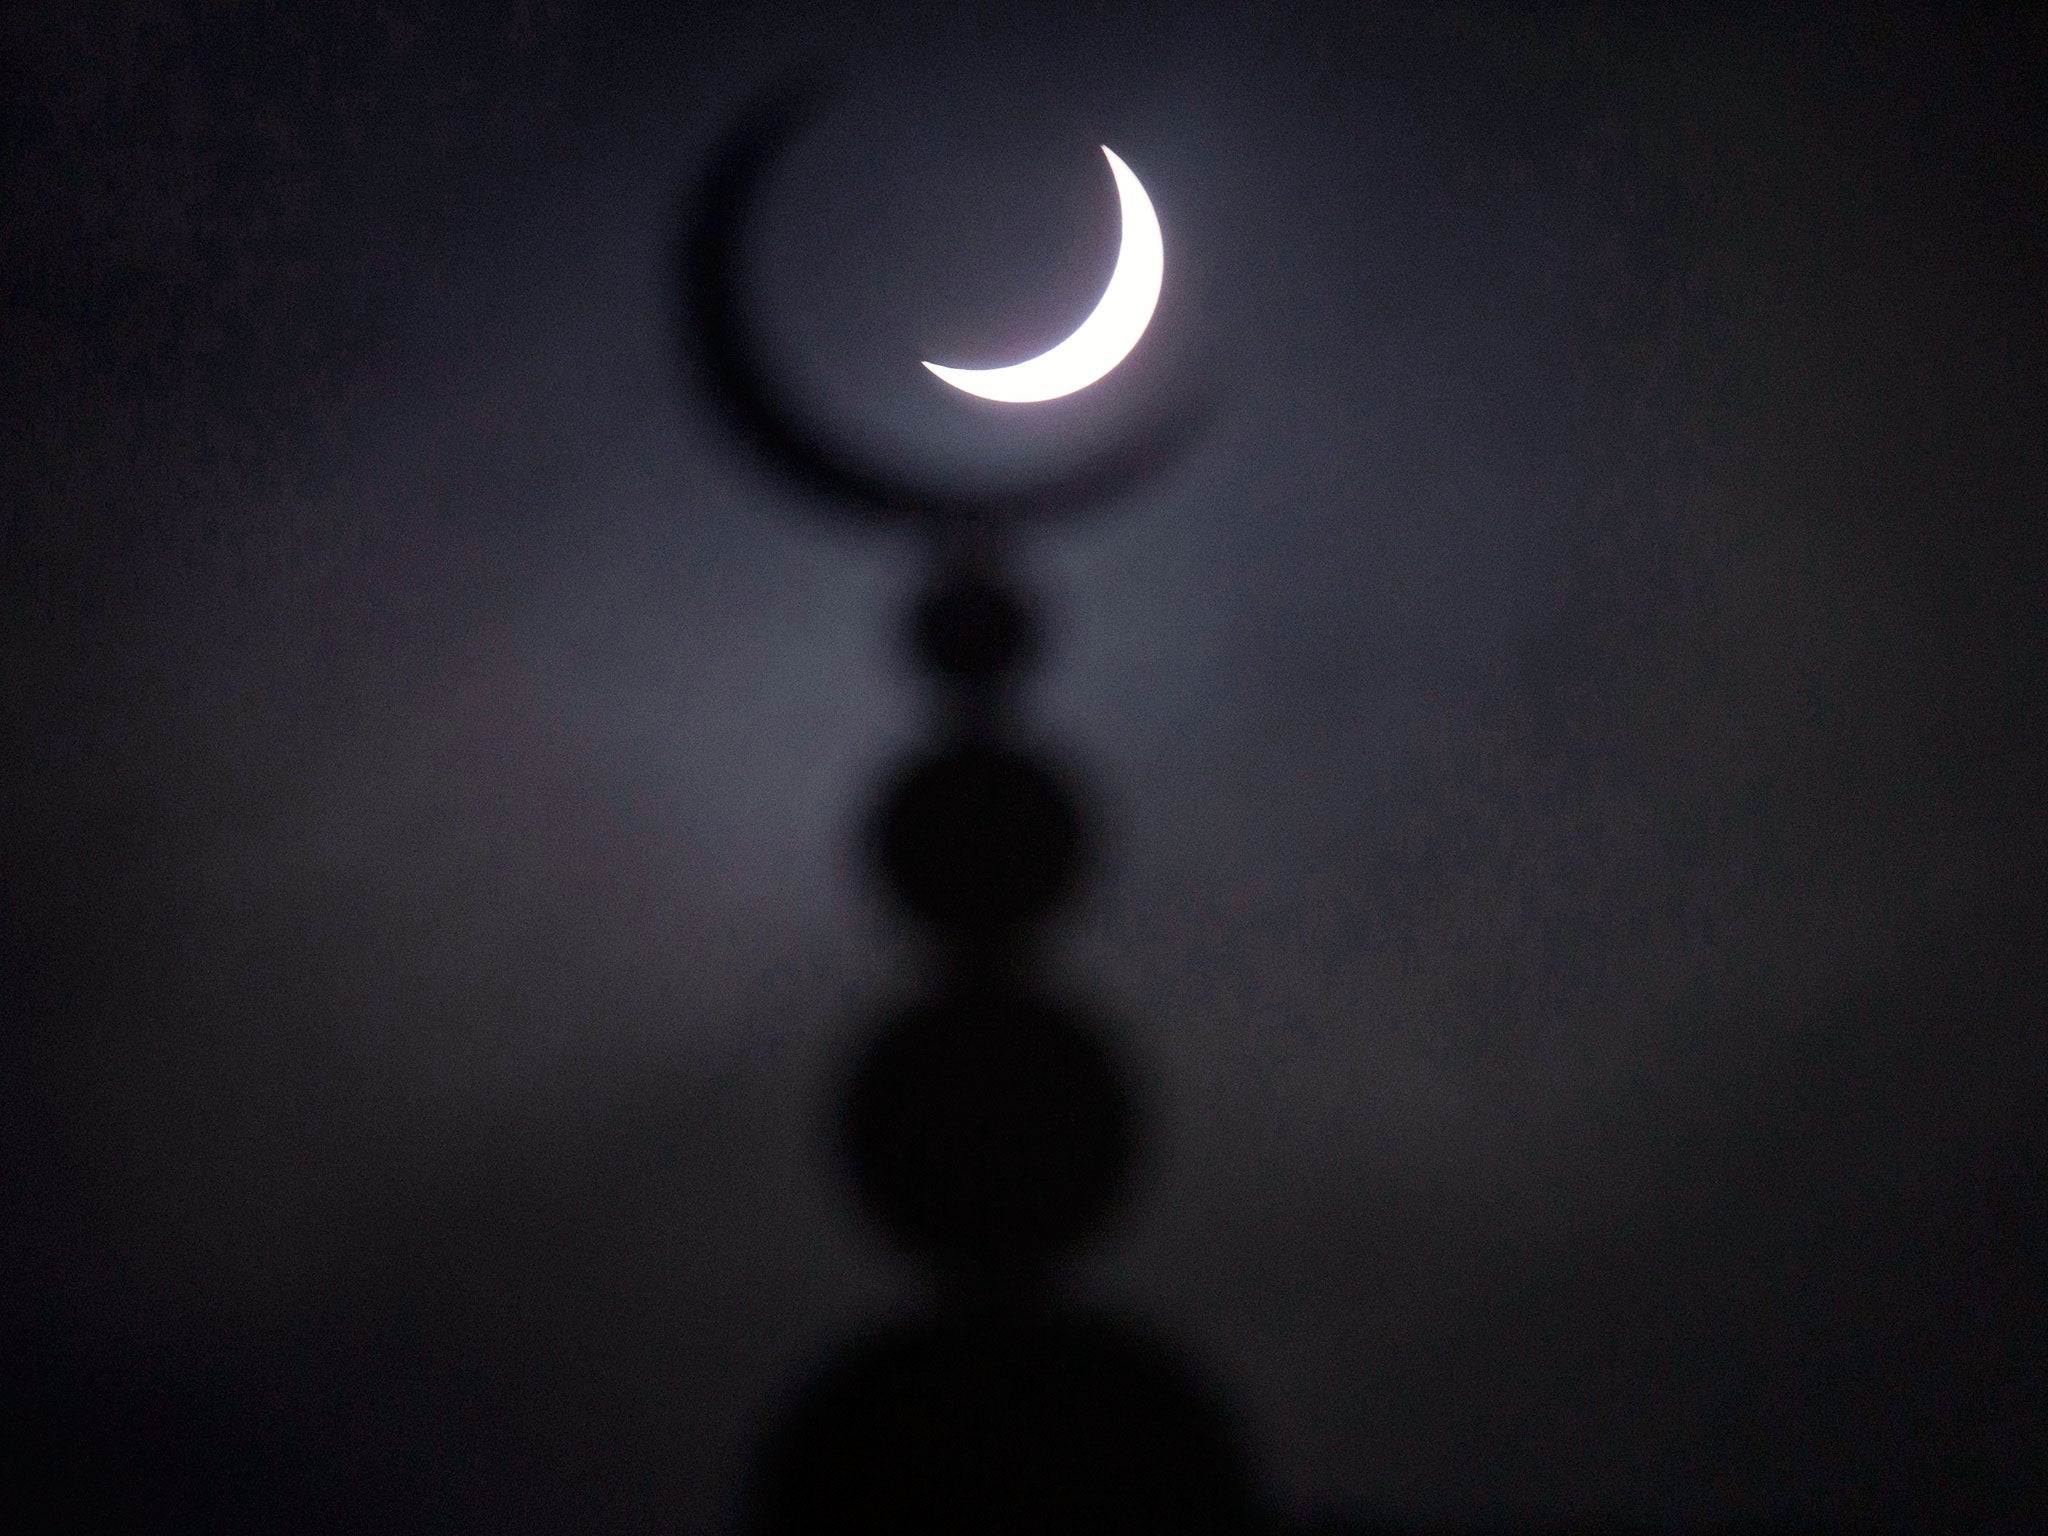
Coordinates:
1570 737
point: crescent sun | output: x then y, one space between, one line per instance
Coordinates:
1106 337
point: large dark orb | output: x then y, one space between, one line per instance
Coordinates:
978 838
1056 1425
989 1135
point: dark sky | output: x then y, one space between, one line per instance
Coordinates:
1571 736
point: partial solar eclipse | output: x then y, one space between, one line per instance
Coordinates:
1106 337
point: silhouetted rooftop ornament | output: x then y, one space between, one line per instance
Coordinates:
989 1127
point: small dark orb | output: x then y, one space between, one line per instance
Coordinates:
1017 1426
989 1135
970 628
979 838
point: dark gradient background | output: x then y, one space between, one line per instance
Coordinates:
1572 736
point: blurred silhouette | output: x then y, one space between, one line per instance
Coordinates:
989 1127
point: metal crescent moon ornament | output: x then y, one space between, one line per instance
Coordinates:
1109 333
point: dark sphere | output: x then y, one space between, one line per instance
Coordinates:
1025 1426
989 1135
970 628
979 838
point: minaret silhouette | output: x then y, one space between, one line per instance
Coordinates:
989 1125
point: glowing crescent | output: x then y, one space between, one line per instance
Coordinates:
1106 337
